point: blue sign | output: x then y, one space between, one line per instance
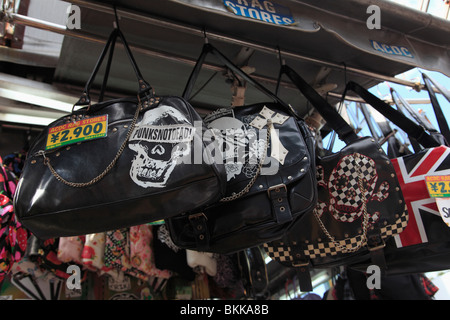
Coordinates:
266 11
389 49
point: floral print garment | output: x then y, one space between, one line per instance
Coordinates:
70 248
93 254
141 251
117 253
13 237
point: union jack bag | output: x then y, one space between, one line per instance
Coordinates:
424 245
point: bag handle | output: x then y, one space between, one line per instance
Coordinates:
207 49
440 117
420 119
403 104
144 88
330 114
407 125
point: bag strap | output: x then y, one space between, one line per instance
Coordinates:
420 119
440 117
330 114
407 125
207 49
107 70
402 104
144 88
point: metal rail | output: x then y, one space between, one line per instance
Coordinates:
44 25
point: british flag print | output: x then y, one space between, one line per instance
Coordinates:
411 171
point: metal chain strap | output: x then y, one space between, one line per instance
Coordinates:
366 215
250 184
107 169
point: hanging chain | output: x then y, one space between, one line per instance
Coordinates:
108 168
365 223
250 184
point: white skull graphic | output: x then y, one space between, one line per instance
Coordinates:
160 140
238 145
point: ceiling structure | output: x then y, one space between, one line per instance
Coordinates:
46 64
329 44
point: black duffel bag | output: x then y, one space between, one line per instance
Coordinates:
271 185
129 162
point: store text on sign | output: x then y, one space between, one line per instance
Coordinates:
390 49
266 11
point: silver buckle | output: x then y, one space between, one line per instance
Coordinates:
197 215
276 188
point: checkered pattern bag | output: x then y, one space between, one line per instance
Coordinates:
360 206
360 202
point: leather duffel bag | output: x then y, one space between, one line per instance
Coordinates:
117 163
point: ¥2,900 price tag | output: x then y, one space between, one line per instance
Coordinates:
438 186
73 132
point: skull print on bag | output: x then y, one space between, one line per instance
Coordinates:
345 198
161 140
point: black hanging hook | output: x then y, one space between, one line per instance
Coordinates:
205 36
282 62
116 22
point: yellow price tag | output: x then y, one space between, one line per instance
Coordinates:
74 132
438 186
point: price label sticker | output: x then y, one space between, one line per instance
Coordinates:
438 186
79 131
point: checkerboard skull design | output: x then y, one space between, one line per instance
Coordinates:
346 197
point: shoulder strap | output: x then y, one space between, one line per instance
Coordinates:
407 125
207 49
420 119
440 117
330 114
